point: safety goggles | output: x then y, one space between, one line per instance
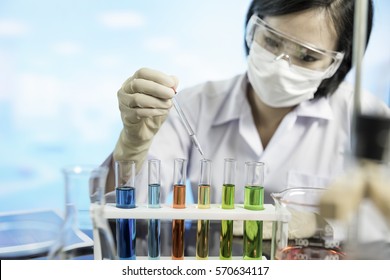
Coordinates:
297 53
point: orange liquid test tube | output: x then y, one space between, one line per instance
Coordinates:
179 199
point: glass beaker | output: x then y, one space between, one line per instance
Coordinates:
84 185
306 235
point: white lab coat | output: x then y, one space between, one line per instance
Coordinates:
309 148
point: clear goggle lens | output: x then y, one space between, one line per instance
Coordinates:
295 52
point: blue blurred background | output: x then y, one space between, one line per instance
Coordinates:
62 62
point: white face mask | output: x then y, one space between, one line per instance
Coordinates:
275 83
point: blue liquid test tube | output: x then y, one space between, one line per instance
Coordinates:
125 198
154 225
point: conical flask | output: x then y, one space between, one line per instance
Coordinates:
84 187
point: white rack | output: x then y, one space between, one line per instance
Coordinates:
191 212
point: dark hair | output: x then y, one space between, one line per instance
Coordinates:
340 13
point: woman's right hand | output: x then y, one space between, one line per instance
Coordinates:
144 103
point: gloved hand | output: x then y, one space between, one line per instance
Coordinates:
144 102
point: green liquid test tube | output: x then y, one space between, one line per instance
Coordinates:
253 200
228 192
203 226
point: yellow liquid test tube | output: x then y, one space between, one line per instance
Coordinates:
203 226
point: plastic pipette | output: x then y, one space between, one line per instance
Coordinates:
187 126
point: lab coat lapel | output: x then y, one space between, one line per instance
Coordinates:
281 140
284 137
248 131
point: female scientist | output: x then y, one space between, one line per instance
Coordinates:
291 110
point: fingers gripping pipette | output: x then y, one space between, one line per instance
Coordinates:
187 126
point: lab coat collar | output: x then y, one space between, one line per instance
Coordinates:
318 108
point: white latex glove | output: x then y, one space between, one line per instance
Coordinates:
144 102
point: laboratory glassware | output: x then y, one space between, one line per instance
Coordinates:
228 194
125 198
154 225
188 127
84 189
179 199
310 235
253 200
203 226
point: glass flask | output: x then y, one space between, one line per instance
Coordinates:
306 235
84 194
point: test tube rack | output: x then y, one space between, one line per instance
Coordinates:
191 212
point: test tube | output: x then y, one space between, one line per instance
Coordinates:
125 198
179 199
203 227
253 200
154 225
186 124
228 191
